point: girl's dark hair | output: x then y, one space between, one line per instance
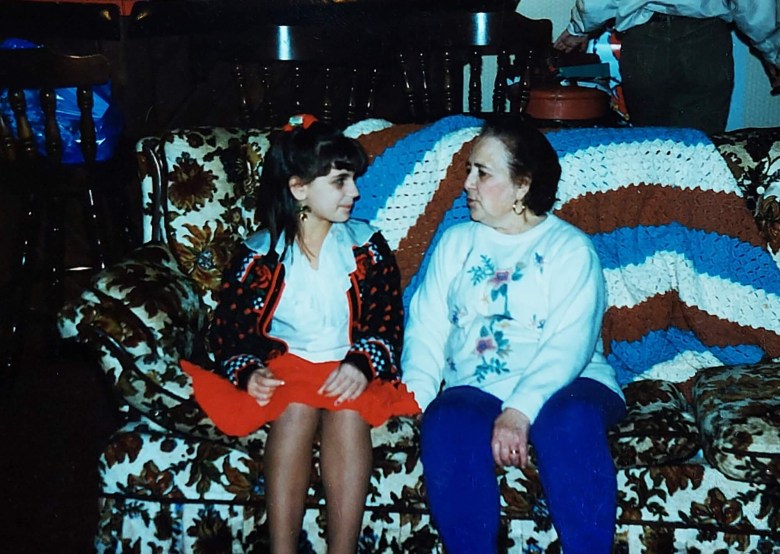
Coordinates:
530 155
306 153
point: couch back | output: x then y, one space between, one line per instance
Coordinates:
690 283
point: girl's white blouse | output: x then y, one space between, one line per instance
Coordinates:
313 313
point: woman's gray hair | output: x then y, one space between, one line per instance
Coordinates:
530 156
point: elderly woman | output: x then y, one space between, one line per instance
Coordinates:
503 349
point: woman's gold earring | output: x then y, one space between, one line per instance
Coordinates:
303 212
514 208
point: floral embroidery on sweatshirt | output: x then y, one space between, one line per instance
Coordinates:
492 347
497 278
539 262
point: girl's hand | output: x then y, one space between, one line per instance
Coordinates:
262 384
510 438
346 383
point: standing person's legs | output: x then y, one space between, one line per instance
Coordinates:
678 72
459 470
703 96
575 465
647 73
345 458
287 463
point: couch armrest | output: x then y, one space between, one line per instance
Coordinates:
738 412
753 156
144 303
142 316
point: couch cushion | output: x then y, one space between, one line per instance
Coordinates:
145 460
738 412
659 427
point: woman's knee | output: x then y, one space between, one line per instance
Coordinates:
457 427
583 401
567 422
461 405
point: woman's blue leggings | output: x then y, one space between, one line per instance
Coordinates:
575 466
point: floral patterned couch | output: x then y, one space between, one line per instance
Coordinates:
698 456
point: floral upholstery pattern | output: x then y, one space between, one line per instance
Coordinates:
753 156
738 410
659 427
152 477
207 180
171 482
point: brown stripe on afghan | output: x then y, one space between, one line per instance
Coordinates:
378 141
667 310
411 248
648 204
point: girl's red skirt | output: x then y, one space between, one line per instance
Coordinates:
236 413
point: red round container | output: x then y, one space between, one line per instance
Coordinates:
567 103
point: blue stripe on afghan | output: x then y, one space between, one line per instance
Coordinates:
663 345
391 167
710 253
576 140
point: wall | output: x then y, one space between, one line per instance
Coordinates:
751 105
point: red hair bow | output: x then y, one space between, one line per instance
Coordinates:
301 120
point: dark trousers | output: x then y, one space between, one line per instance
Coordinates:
678 72
575 467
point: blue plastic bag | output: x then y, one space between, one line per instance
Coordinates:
107 116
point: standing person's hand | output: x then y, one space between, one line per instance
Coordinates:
569 43
510 438
346 382
262 384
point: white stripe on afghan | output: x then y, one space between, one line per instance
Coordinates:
365 127
663 272
682 367
408 202
609 167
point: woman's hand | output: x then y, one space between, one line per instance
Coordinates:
569 43
346 382
510 438
262 384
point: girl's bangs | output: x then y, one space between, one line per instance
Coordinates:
344 154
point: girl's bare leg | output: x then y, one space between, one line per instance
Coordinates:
346 461
287 463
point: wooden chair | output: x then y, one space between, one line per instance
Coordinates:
42 183
366 64
457 39
282 69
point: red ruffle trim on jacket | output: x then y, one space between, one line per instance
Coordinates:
236 413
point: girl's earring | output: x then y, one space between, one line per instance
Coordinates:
303 212
522 208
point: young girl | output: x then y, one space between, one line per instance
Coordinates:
309 323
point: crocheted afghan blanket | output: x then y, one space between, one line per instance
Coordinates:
689 282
